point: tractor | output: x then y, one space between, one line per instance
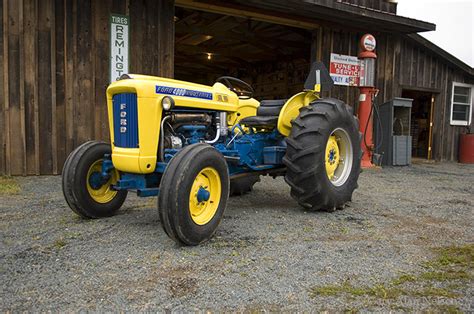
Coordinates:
194 145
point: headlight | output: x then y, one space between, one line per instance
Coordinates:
167 103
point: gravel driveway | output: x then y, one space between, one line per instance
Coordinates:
405 243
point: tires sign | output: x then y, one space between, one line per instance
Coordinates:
119 45
344 70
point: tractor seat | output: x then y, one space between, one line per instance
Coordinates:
269 122
267 114
270 107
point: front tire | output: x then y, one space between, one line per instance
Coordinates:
323 155
193 194
84 197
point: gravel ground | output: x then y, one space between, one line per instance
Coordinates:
268 254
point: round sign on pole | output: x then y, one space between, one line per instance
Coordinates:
368 43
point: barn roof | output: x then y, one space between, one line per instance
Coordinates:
320 12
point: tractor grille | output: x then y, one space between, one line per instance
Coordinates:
125 120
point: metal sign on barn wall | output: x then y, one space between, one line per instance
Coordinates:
119 45
344 70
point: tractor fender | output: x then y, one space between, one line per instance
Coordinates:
291 110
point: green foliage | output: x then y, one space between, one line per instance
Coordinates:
453 256
8 186
451 265
59 243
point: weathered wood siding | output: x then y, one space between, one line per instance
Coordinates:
55 70
421 69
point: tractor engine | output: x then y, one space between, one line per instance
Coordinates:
180 129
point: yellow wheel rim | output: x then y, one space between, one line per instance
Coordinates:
104 193
338 157
332 156
205 196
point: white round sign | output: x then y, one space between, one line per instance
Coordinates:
368 42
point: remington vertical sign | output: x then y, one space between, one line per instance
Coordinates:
119 45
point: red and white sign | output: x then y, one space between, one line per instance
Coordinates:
344 70
368 42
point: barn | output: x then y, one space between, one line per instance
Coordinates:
56 58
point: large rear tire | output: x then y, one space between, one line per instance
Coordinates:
323 155
193 194
84 196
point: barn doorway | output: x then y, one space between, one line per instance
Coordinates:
273 58
421 122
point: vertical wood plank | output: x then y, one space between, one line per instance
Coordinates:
2 94
69 44
320 44
404 68
166 38
6 97
380 68
396 68
409 65
59 75
14 77
388 83
420 68
36 105
438 123
83 69
326 50
437 132
95 106
54 138
335 48
414 66
353 51
348 49
30 90
430 66
44 86
426 70
101 67
433 74
451 129
22 85
137 16
445 115
150 24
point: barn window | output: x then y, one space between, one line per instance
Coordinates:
461 104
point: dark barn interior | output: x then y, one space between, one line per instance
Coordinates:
273 58
421 122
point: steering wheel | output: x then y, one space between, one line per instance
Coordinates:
245 93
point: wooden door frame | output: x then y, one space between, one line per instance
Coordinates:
430 128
